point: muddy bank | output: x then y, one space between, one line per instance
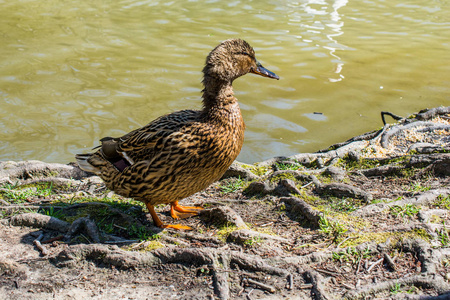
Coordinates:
364 219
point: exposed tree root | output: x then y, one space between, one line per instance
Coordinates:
104 255
429 114
430 258
264 247
420 199
221 287
87 226
260 188
222 215
387 170
344 190
430 282
11 172
298 207
255 263
39 221
242 237
398 129
240 170
318 289
218 259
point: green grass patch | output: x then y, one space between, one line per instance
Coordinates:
52 212
417 187
409 210
282 176
382 237
351 255
225 231
256 240
443 235
442 202
231 185
368 163
258 171
331 228
15 193
295 166
344 204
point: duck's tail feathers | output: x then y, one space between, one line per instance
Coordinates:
82 160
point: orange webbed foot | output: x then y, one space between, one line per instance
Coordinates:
181 212
176 226
160 224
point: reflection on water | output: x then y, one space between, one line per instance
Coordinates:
328 23
72 72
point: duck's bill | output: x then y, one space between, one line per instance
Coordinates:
260 70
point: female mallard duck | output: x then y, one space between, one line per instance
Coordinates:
183 152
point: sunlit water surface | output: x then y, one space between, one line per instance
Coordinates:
72 72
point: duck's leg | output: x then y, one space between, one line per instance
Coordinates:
181 212
160 224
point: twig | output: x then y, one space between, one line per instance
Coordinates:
303 186
389 261
248 295
326 272
290 279
306 286
56 238
266 224
374 264
120 227
359 264
137 245
38 244
347 286
395 117
261 285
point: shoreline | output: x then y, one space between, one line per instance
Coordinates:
364 218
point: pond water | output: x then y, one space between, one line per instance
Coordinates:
72 72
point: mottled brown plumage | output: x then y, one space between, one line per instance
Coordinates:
183 152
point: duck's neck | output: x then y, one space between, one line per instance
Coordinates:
218 97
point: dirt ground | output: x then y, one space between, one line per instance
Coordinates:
364 219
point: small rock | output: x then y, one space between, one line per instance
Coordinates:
344 190
335 173
222 215
259 187
289 186
426 148
238 170
320 163
354 156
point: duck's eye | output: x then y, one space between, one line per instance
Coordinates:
244 53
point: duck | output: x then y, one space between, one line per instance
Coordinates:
183 152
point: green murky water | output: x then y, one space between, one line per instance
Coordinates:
72 72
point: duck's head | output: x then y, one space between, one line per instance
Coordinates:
232 59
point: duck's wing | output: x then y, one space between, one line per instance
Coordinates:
150 139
